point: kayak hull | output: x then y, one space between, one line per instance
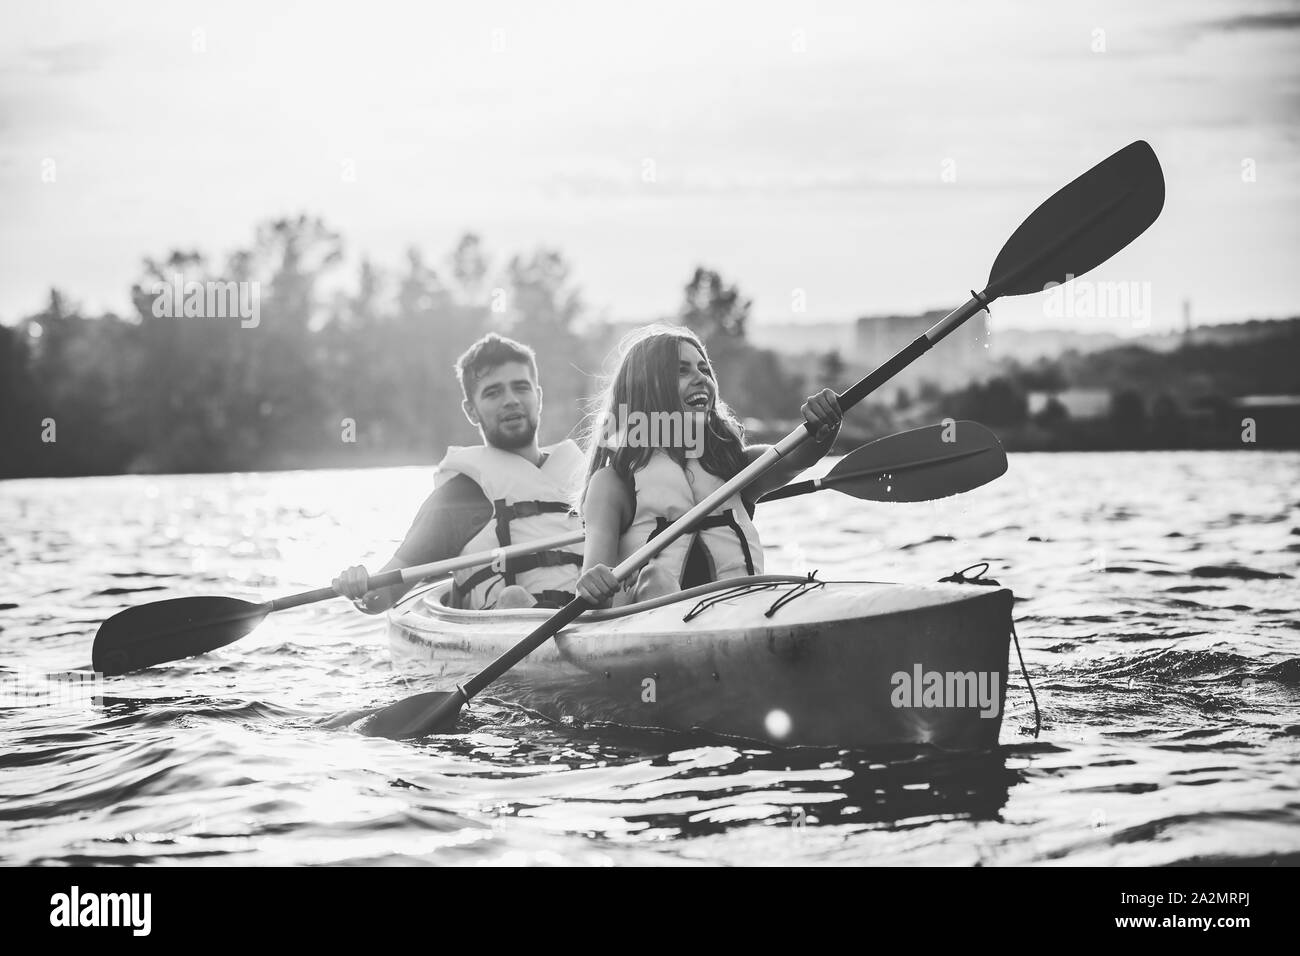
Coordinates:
850 665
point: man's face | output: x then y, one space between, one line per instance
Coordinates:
506 405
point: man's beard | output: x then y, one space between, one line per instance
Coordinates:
511 441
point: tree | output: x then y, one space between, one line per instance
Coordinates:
433 326
713 310
1043 377
1054 415
546 306
20 405
1168 423
225 392
469 266
1128 416
75 372
831 369
420 292
543 298
996 402
295 254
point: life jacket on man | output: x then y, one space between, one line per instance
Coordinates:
528 503
726 541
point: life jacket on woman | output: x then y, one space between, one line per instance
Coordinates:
528 503
726 542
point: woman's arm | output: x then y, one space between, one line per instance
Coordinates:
822 410
606 511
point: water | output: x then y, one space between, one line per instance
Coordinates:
1158 611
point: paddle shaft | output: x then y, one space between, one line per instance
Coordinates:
571 611
419 572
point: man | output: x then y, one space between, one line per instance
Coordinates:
505 491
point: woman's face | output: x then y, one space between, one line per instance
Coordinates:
695 386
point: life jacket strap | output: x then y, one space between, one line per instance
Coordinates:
504 513
726 519
520 564
744 544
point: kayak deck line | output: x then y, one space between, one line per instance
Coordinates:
821 672
528 613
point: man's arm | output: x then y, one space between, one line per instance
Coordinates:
445 523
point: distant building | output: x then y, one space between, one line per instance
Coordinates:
1256 402
961 358
1079 403
799 338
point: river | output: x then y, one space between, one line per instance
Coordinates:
1157 608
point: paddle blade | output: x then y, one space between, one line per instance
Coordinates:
922 464
431 713
1083 224
436 712
165 631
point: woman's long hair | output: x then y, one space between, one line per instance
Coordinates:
646 382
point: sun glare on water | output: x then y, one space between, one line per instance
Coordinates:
778 724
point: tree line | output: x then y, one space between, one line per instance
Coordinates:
1186 397
335 370
339 370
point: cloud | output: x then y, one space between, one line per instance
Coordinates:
704 183
64 59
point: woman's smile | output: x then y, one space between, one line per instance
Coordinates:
694 379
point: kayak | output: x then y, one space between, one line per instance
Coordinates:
774 659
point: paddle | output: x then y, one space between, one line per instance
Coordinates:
163 631
1079 227
170 630
918 465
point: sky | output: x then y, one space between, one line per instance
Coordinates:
833 159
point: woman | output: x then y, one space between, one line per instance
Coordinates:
640 479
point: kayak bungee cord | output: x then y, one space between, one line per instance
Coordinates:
804 587
742 589
959 577
1038 717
